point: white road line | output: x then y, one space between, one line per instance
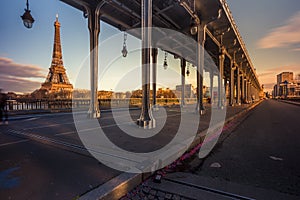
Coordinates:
10 143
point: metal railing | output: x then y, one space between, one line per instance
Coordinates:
68 104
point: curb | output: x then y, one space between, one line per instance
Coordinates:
290 102
120 185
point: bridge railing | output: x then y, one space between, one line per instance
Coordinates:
68 104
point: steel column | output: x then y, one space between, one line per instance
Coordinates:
248 91
232 85
94 30
146 120
183 65
220 80
154 75
238 87
200 67
243 89
211 75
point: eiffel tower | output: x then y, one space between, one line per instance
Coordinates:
57 80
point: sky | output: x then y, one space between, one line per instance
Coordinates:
270 30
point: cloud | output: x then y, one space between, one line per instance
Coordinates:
283 36
12 84
18 77
9 68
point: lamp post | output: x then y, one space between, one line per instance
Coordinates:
26 17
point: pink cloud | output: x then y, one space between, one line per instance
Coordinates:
10 68
18 77
283 36
18 85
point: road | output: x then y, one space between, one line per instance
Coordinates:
257 157
40 158
262 152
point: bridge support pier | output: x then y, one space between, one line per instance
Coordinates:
200 68
238 86
146 119
243 88
248 91
183 66
94 30
231 89
154 76
220 80
211 79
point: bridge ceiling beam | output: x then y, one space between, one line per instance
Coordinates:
176 15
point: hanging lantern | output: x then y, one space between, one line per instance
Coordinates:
124 50
188 70
165 61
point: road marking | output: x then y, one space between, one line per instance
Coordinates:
10 143
276 158
31 119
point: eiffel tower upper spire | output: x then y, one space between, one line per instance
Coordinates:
57 52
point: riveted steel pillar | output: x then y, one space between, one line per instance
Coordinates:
231 89
200 68
248 91
154 75
220 79
238 86
243 88
211 78
183 65
94 30
146 119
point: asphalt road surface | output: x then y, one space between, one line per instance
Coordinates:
262 152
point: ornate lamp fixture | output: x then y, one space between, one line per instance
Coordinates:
165 61
26 17
124 50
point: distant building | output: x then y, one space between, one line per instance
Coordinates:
286 85
188 91
285 76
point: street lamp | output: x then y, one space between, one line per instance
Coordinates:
26 17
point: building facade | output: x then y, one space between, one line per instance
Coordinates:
286 86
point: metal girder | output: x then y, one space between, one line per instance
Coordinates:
174 14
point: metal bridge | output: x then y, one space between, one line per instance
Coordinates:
207 22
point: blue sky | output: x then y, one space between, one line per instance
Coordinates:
270 29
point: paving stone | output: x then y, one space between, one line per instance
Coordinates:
146 190
153 192
175 197
150 197
168 196
160 194
125 198
136 198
